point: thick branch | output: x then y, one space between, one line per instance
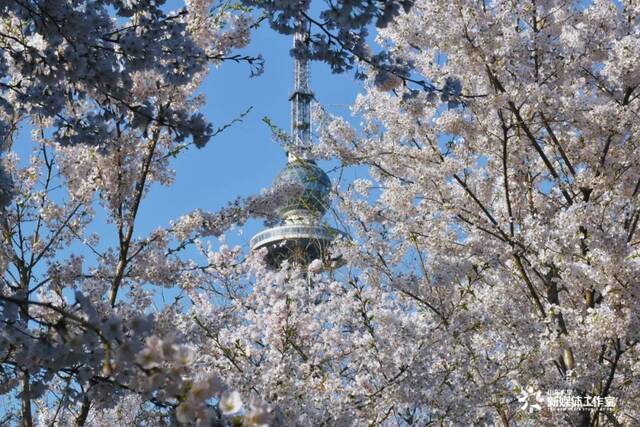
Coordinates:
126 240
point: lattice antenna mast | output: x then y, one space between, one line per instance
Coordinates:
301 97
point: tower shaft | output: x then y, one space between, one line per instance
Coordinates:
301 96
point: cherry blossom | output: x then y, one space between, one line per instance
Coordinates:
230 403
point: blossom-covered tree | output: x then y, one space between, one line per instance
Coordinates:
107 89
493 252
505 218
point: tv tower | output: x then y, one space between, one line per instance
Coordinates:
301 236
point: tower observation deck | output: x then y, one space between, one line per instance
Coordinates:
302 236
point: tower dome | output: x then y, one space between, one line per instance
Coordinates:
315 185
302 236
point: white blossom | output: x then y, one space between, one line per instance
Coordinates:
230 403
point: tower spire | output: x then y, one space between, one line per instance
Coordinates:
301 97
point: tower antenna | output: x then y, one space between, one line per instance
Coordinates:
302 95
